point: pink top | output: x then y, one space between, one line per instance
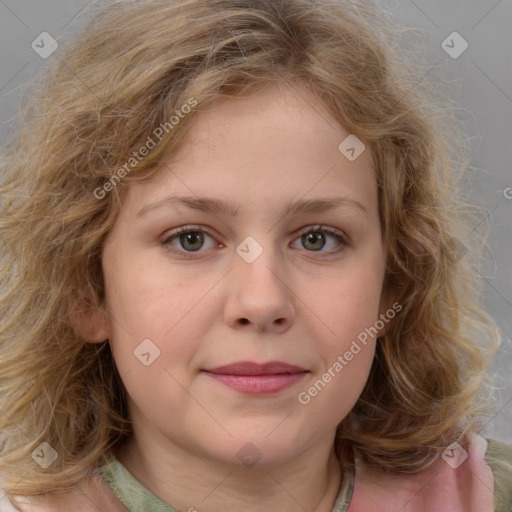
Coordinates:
459 481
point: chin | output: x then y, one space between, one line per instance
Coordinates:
260 451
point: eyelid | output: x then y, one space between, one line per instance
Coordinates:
327 229
306 229
189 228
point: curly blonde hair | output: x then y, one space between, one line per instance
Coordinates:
136 63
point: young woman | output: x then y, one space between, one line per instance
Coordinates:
232 277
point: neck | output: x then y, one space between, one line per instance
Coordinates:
310 481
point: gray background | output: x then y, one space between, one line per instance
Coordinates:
479 81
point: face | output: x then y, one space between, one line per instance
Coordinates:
243 326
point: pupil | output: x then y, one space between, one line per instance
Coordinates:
195 239
314 237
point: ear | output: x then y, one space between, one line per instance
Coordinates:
90 323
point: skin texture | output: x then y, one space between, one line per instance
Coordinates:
292 304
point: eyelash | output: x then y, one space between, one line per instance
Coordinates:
200 229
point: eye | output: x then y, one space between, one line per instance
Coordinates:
314 239
188 239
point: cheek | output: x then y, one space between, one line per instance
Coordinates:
335 388
350 305
350 310
152 301
148 298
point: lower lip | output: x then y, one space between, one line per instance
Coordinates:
258 384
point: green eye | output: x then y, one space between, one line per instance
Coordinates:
316 241
185 241
192 241
317 238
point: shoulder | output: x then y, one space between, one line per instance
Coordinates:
90 496
461 479
498 457
5 503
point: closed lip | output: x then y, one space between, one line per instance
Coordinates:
254 378
252 368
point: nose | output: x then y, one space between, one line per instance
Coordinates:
260 298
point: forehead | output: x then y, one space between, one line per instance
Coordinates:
276 144
279 118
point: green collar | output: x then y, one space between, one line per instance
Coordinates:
130 492
137 498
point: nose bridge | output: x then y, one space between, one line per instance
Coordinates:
260 295
258 262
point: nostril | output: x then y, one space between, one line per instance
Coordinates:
244 321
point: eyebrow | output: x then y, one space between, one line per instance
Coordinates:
219 207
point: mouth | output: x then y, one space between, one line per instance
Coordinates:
254 378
